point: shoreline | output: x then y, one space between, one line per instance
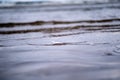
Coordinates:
57 5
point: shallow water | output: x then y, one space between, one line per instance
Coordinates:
60 45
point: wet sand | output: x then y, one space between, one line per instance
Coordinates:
60 45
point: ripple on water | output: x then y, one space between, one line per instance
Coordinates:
59 49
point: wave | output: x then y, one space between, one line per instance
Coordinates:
55 22
61 29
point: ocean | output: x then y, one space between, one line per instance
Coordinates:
60 42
